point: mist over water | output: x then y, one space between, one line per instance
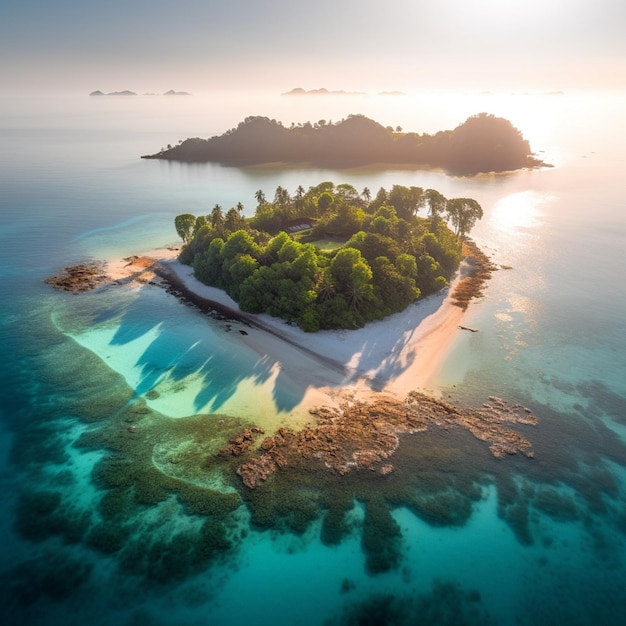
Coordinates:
107 529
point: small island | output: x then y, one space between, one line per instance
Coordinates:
330 257
127 92
322 259
322 91
483 143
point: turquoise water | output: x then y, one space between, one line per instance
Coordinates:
106 527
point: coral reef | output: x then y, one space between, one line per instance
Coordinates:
363 436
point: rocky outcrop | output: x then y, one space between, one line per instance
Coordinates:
91 274
77 278
477 272
360 436
239 444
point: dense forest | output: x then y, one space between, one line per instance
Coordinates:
483 143
330 257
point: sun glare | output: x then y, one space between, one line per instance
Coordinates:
520 210
497 11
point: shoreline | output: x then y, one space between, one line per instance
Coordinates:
355 392
397 355
392 357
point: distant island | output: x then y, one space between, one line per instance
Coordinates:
298 91
483 143
126 92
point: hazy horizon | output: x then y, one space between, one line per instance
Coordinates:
202 47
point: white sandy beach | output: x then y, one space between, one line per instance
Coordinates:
394 356
401 353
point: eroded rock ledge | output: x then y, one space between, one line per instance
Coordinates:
364 436
479 270
92 274
80 277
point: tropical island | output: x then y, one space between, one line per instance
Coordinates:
483 143
330 257
325 258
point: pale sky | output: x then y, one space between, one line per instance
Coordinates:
356 45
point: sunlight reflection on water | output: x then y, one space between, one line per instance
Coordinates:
519 210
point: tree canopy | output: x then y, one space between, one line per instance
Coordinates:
384 255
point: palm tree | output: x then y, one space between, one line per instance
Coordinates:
260 197
281 197
326 288
299 195
217 217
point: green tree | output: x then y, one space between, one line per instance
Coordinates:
281 197
217 217
233 220
463 214
407 265
347 193
436 203
380 199
185 226
395 290
207 265
236 271
324 202
430 275
267 218
353 278
299 197
260 197
407 201
201 221
240 242
346 221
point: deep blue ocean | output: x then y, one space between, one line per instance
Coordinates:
102 528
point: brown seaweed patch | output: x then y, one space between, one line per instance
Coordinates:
447 605
381 539
41 514
514 497
335 525
557 505
39 444
162 560
53 575
107 537
442 508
